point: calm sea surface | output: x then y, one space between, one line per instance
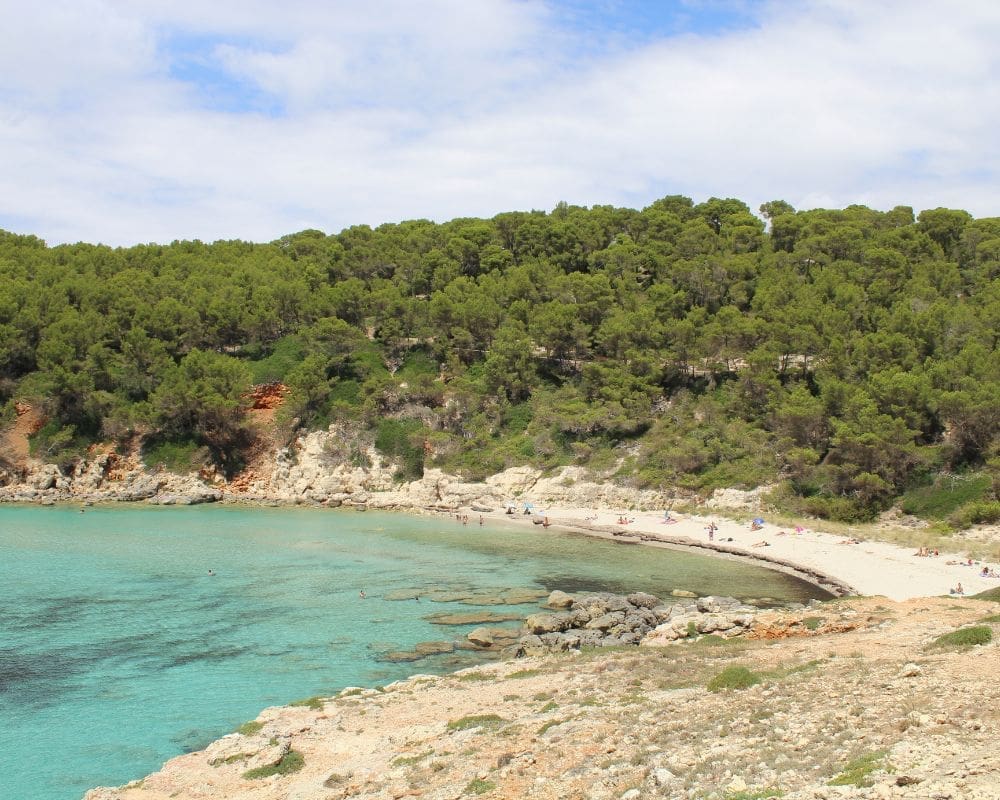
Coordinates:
118 649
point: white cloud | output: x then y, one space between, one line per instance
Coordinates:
443 109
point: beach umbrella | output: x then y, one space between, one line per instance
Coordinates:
758 520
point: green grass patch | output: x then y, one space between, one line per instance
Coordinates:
963 638
250 728
753 794
315 703
290 762
549 725
989 594
479 786
472 677
409 761
486 721
945 496
859 771
217 762
992 619
549 706
813 623
733 678
524 673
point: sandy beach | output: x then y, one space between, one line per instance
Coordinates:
840 565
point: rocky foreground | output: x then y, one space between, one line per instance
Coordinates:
849 698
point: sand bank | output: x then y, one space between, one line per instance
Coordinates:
837 564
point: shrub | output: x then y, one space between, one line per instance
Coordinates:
287 353
964 638
401 439
290 762
945 496
976 513
175 455
733 678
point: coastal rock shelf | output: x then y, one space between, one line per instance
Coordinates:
867 710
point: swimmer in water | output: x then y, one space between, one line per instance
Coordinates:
362 594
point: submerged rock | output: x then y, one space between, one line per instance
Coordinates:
472 617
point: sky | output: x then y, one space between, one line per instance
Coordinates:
133 121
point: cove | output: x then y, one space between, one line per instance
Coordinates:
118 649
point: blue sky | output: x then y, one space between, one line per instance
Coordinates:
127 121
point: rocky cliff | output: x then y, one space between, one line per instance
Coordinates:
315 469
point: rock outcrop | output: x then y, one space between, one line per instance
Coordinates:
863 714
317 469
609 620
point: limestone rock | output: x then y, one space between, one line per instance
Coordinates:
559 599
481 637
547 623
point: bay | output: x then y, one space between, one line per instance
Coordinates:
119 649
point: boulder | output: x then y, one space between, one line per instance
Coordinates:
481 637
559 599
607 621
46 477
682 593
643 600
547 623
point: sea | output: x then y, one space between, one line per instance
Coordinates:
130 635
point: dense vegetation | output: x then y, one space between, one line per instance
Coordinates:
852 353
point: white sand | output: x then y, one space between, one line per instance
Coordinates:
868 568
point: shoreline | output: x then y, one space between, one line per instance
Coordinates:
835 564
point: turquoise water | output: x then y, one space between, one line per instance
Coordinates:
118 649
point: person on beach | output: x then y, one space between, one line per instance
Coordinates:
480 519
761 543
957 590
